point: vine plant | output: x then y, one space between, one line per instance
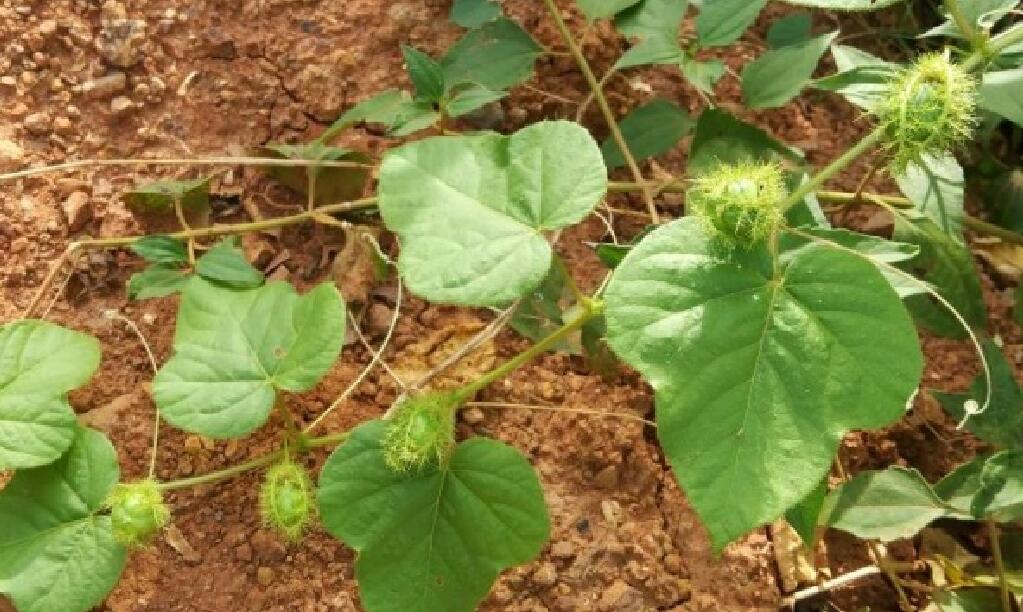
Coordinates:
765 333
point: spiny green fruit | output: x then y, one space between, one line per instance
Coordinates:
931 109
286 499
137 512
421 431
738 203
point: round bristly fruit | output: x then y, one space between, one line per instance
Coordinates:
286 499
421 432
738 203
930 110
137 512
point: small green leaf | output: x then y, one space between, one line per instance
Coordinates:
780 74
333 185
412 117
935 186
721 138
497 55
469 98
722 22
805 516
982 14
655 25
1002 92
703 74
758 366
57 552
790 30
471 210
948 267
160 195
603 9
162 250
888 505
649 130
435 539
862 79
234 349
225 264
156 281
846 5
474 13
426 74
967 600
986 487
541 312
1003 196
39 364
1001 424
381 108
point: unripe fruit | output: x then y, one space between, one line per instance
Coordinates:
421 432
137 513
930 110
739 203
286 499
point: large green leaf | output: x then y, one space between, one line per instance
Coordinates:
234 349
471 210
779 75
887 505
497 55
759 366
39 364
649 130
56 551
722 22
1002 93
654 24
434 539
935 186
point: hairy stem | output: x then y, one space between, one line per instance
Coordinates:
968 29
612 123
817 181
996 552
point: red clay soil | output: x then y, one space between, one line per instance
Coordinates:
217 77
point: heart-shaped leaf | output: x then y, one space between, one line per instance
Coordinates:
56 551
234 349
759 365
471 210
39 364
434 539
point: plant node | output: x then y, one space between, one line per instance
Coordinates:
930 110
421 432
738 203
286 499
137 512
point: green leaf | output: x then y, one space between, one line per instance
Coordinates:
469 98
497 55
655 25
1004 198
160 195
986 487
426 74
381 108
779 75
805 516
790 30
649 130
846 5
234 349
162 250
722 22
948 267
333 185
887 505
434 539
758 366
540 313
983 14
156 281
57 552
413 116
1001 424
935 186
703 74
967 600
862 79
471 210
721 138
474 13
1002 92
225 264
603 9
39 364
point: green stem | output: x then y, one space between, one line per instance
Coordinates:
605 108
971 33
836 166
996 552
592 308
993 47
